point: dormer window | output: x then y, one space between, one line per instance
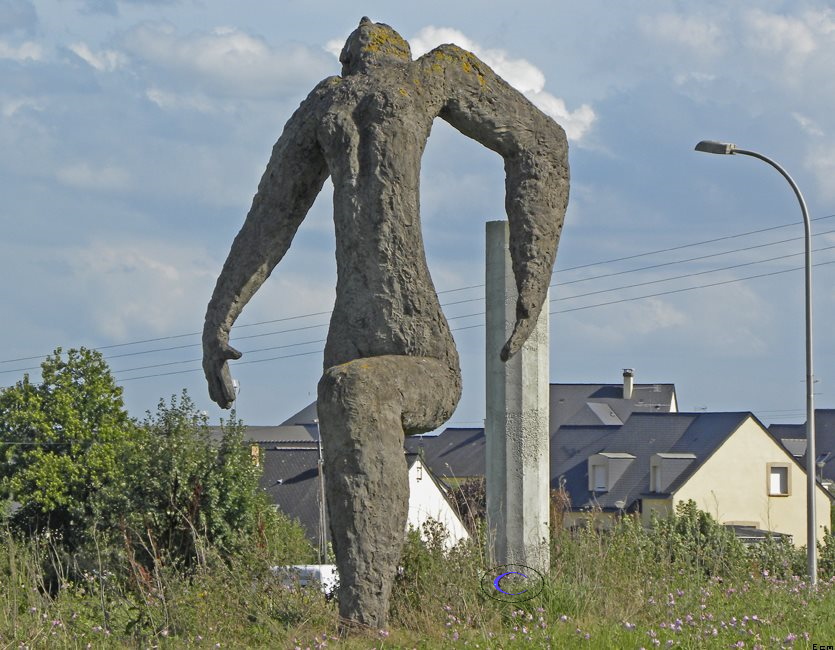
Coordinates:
665 467
655 477
598 478
606 468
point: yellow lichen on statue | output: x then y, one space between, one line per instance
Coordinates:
387 41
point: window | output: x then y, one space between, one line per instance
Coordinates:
599 478
778 479
655 478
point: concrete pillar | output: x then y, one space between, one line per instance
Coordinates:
516 427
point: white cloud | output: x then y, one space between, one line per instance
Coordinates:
10 106
519 73
820 161
84 176
576 123
105 60
807 124
27 51
138 288
779 36
171 100
654 314
225 61
696 33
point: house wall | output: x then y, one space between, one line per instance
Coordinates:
598 520
732 485
426 500
661 507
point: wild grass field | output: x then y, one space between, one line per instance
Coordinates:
686 583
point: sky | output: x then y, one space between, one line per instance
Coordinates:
133 135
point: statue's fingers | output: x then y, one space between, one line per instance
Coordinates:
215 392
227 385
231 353
521 332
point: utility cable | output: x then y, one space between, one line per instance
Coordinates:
475 286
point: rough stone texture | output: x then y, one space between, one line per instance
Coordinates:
391 367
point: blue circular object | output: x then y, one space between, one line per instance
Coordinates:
532 581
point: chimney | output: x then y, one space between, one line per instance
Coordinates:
628 374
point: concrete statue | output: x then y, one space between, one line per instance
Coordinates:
390 364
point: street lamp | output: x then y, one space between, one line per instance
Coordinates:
709 146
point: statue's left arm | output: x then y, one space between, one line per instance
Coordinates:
484 107
293 178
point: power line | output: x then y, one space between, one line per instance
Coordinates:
701 286
591 293
687 275
475 286
553 313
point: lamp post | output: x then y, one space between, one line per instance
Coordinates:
709 146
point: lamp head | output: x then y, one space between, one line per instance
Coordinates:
711 146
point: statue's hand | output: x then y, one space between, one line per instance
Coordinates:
216 353
517 339
521 330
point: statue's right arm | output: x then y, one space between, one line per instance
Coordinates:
293 178
481 105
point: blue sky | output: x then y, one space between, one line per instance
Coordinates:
133 135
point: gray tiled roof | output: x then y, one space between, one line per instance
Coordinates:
686 440
281 433
456 453
643 435
596 404
306 416
793 437
291 479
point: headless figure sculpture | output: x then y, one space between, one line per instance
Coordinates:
390 364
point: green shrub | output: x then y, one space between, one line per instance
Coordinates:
693 541
778 558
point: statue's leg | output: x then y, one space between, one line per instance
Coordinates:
365 407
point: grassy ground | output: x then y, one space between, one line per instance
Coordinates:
620 590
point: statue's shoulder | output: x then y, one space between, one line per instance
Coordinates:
452 59
446 53
325 87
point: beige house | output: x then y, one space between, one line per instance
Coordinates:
728 463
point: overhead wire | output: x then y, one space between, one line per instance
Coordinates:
475 286
552 313
600 276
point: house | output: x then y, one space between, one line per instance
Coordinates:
793 438
728 463
291 479
624 448
458 454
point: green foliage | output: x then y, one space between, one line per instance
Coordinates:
826 556
104 489
693 541
64 439
189 491
778 558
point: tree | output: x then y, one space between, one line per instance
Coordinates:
190 488
105 487
62 442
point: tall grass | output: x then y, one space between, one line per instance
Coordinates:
685 583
